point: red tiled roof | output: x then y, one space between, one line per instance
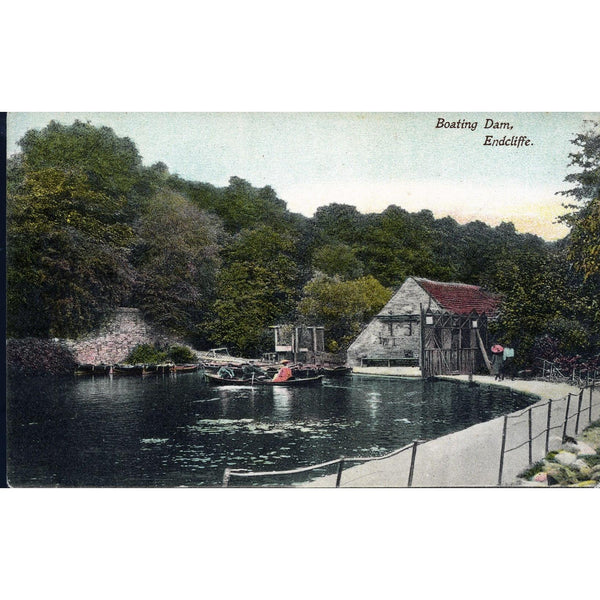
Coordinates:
460 298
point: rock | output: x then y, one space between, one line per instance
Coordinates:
543 476
583 448
554 442
565 458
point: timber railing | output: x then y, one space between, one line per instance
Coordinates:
584 405
580 376
340 462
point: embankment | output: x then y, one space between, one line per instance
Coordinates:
471 457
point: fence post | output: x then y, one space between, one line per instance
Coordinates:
530 436
502 450
566 416
412 463
339 472
578 412
548 423
590 406
226 476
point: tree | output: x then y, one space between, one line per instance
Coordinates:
342 307
110 163
177 257
338 259
67 254
584 215
256 288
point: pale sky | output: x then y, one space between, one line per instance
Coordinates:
369 160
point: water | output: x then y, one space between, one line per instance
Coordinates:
175 430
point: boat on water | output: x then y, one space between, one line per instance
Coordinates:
293 382
131 370
89 369
189 368
214 379
336 371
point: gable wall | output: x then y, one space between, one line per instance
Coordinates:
376 341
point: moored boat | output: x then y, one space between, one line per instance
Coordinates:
336 371
89 369
189 368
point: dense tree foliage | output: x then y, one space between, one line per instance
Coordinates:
90 228
176 258
343 307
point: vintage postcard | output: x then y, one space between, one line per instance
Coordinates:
332 300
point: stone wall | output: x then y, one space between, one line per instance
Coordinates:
393 340
114 341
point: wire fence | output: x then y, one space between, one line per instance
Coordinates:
340 462
526 426
583 408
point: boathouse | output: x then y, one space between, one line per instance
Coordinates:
299 342
442 328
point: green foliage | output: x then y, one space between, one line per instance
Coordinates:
533 470
343 307
67 254
255 289
181 355
176 257
146 354
109 163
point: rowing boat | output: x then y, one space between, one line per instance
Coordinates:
216 380
293 382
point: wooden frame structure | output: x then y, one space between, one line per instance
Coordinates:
452 344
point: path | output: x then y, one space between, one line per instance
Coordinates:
470 458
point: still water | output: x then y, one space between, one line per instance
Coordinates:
175 430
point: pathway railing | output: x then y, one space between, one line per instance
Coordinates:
583 408
340 462
578 407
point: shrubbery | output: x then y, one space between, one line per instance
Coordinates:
149 354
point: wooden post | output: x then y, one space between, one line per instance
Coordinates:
502 450
578 412
566 415
412 463
530 436
339 472
226 476
590 406
548 423
422 340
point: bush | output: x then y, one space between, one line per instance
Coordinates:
181 355
149 354
146 354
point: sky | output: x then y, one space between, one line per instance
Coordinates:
432 160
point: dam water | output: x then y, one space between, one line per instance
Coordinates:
175 430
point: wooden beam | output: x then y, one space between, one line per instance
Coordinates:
483 351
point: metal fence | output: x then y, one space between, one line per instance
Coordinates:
583 408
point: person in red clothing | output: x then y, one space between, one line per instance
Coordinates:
284 373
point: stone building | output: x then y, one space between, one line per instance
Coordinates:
439 327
